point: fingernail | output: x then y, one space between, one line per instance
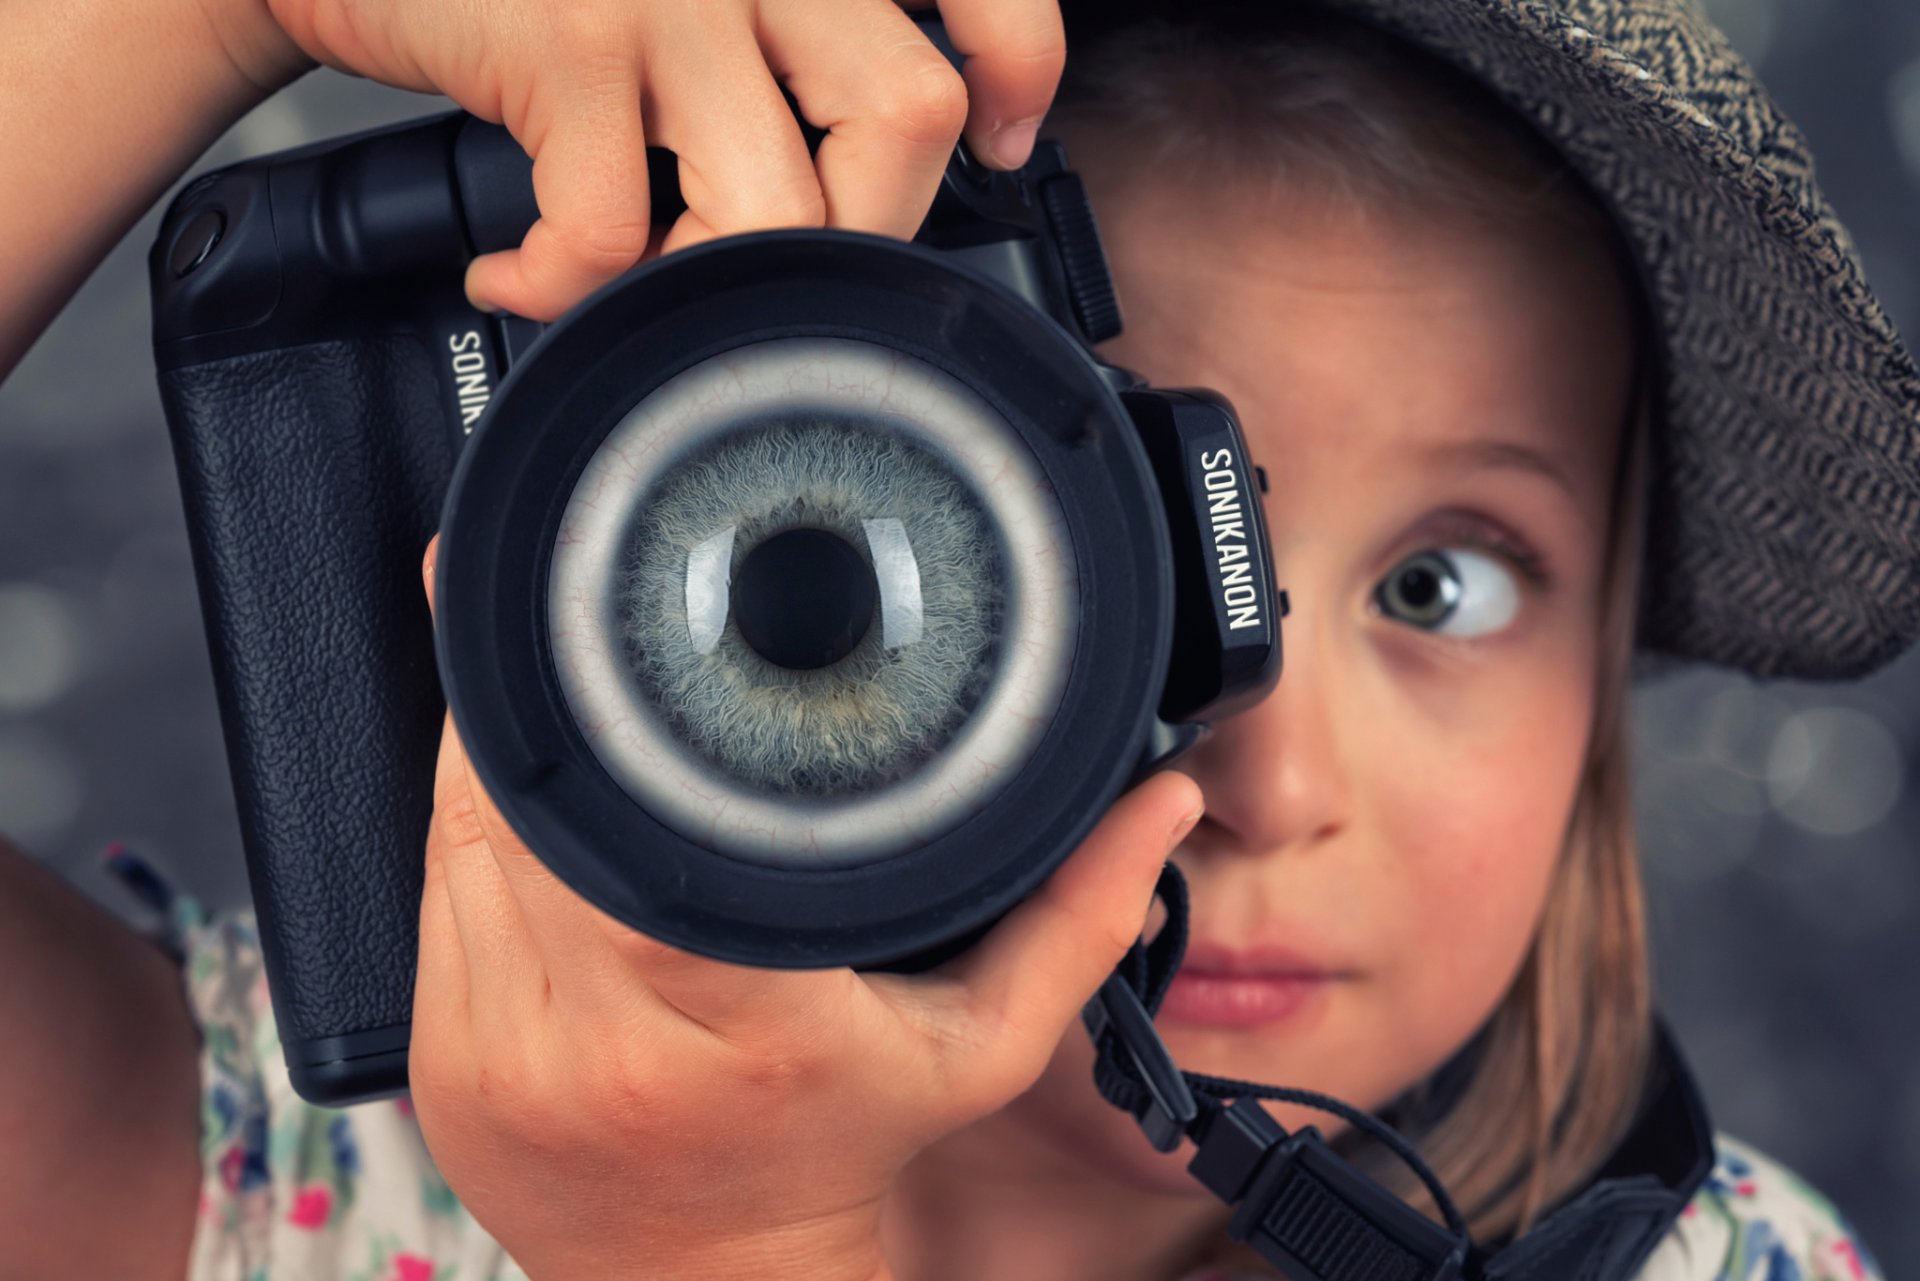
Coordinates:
1013 143
1184 826
478 304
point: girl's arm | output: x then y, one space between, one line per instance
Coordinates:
105 104
99 1099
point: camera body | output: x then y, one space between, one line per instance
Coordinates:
322 374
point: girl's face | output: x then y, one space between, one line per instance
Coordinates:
1438 408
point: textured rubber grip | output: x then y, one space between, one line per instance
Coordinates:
312 478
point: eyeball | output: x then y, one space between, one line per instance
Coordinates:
812 602
1453 591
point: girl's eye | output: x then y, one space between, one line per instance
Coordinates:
1453 591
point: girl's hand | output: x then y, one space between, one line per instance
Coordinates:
610 1106
585 86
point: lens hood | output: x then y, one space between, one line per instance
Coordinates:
576 393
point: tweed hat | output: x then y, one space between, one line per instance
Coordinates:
1784 503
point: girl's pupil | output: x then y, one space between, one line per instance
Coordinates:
1425 590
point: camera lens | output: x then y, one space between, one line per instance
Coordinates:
661 543
812 601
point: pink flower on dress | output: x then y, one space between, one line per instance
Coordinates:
411 1267
231 1162
311 1207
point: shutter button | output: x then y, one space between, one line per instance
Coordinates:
196 240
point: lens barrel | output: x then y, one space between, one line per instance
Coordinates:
1069 496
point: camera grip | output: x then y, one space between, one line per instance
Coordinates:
312 478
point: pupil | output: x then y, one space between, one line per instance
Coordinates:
804 598
1419 588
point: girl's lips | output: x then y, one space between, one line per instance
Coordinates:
1219 987
1216 1000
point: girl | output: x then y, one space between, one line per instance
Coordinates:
1413 881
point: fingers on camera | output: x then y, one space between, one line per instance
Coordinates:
589 154
1016 50
894 107
743 165
1044 961
891 102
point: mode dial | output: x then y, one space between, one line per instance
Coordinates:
1082 258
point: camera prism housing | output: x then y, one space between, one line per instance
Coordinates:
333 400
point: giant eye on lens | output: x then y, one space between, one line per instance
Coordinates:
806 592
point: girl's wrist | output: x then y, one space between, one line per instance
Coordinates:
107 102
823 1252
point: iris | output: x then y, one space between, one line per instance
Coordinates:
812 604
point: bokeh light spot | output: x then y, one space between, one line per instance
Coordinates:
40 787
40 647
1738 731
1903 112
1833 771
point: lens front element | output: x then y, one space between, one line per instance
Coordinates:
812 602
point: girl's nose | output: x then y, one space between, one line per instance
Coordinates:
1275 775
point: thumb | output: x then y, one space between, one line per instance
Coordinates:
427 562
1034 971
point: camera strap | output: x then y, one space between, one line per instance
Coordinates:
1307 1209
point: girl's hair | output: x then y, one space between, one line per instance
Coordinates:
1282 99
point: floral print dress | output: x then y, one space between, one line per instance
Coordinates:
291 1191
295 1192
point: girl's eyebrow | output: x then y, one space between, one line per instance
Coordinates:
1490 451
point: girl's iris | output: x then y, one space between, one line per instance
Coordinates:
1454 591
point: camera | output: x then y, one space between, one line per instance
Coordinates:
804 597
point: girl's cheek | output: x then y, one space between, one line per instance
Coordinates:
1494 696
1472 878
1478 816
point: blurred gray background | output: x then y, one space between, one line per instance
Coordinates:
1778 821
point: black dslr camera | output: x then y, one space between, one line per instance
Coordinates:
804 597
